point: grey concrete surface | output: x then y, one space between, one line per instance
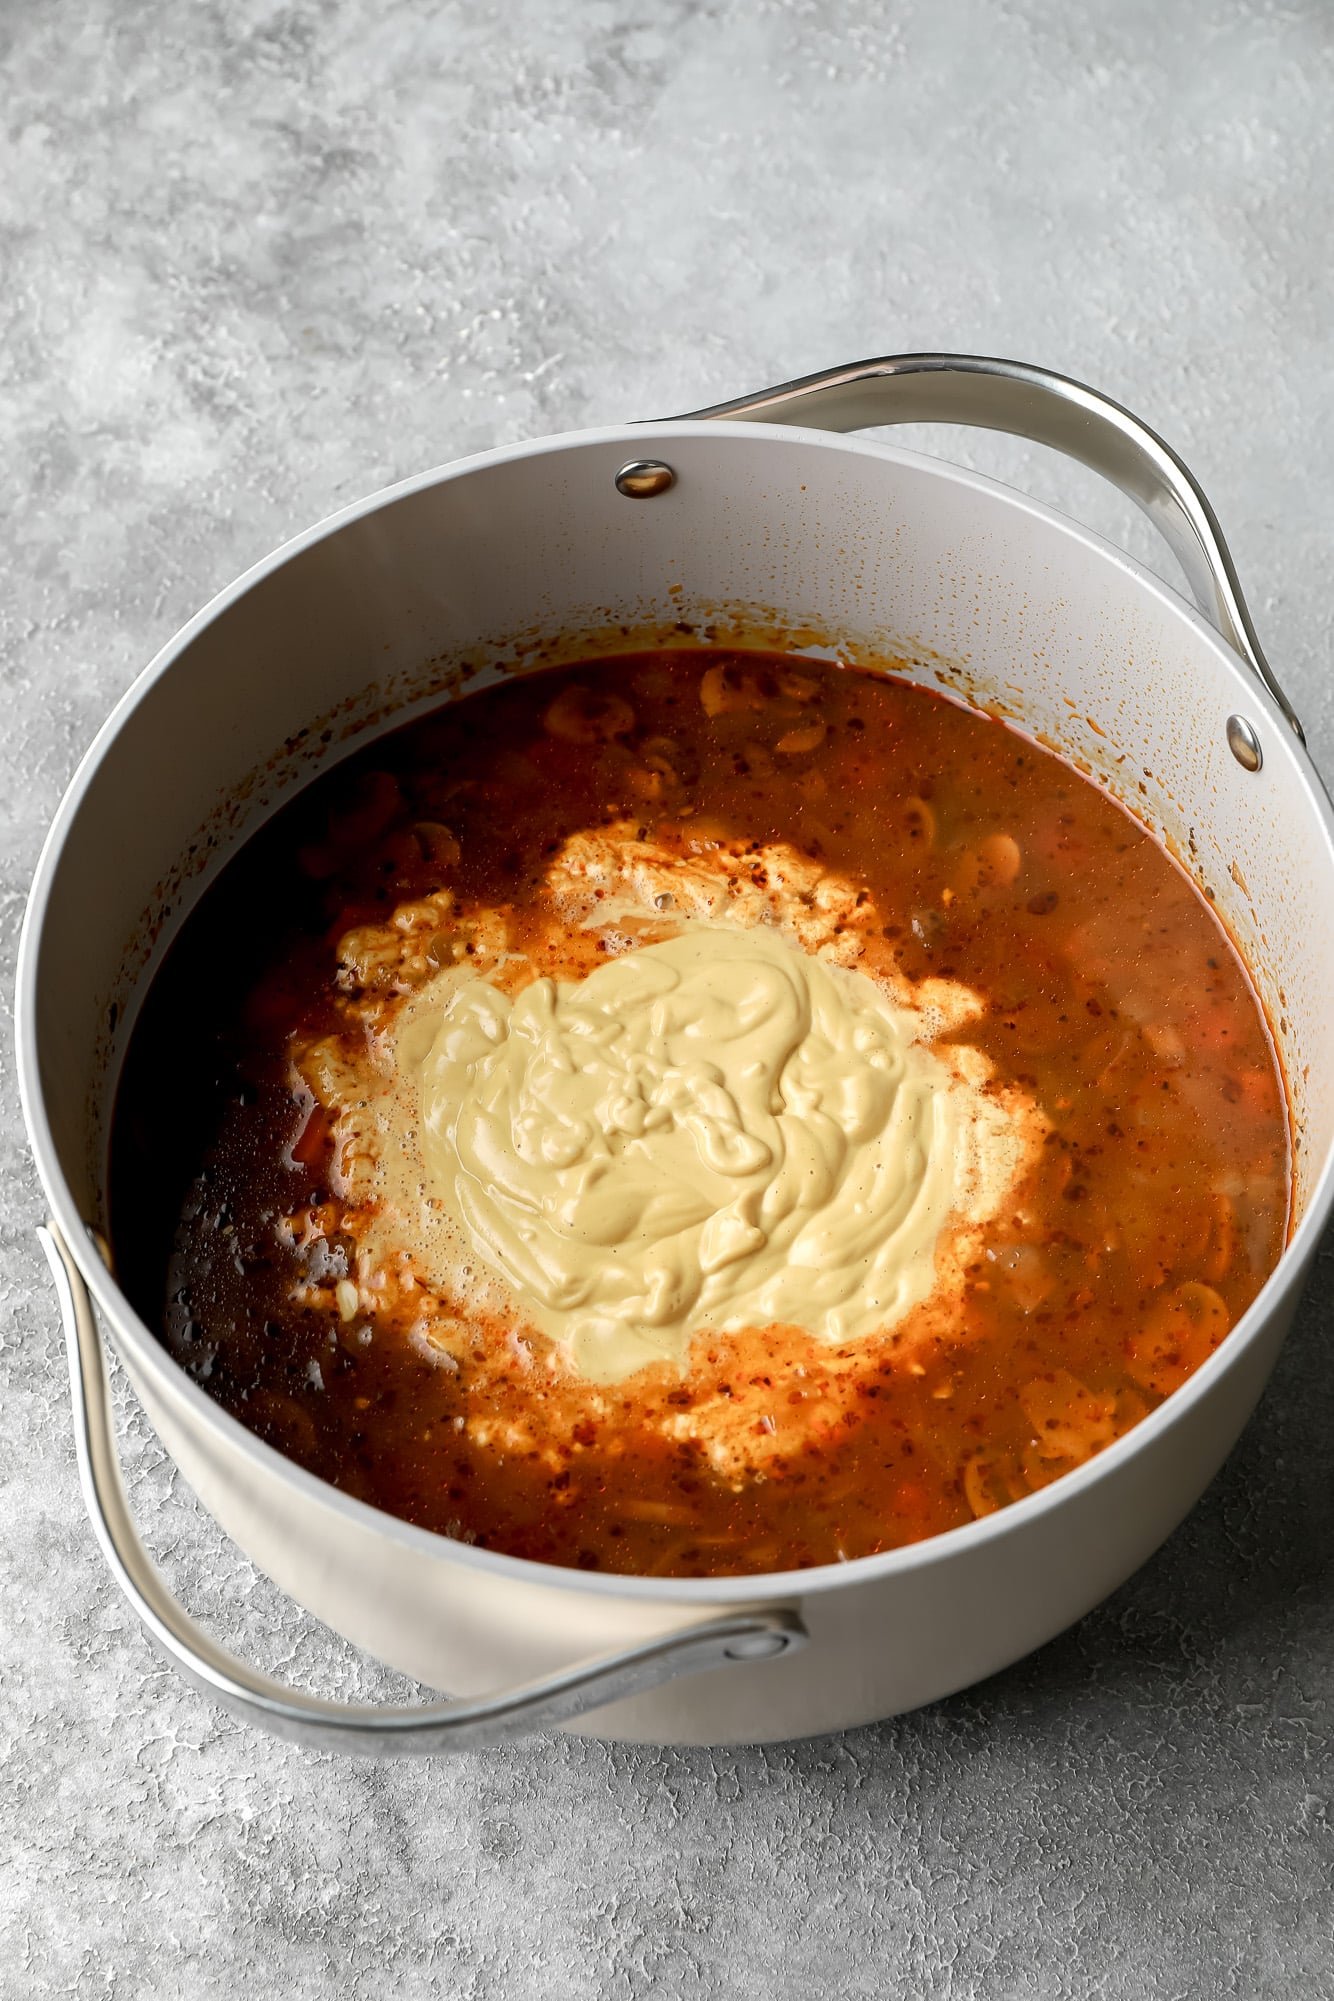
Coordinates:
256 259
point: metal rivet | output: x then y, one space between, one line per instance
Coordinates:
757 1647
1244 743
643 478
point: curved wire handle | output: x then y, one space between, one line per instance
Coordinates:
748 1636
1050 409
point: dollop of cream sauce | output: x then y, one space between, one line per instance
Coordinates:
681 1096
714 1130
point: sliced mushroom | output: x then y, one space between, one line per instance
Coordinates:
583 715
724 692
795 743
797 687
994 863
918 821
1180 1330
758 759
439 843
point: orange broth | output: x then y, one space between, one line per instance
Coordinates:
1157 1207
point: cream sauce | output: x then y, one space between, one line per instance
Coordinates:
715 1130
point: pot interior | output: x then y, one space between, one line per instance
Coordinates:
508 563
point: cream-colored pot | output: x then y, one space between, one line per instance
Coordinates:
740 518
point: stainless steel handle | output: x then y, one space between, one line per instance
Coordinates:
1050 409
759 1635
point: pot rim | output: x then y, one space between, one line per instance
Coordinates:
147 1353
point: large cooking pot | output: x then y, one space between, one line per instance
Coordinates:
745 518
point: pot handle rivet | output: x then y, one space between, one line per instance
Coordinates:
1244 744
643 479
757 1647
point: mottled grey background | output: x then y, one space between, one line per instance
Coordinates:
258 259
